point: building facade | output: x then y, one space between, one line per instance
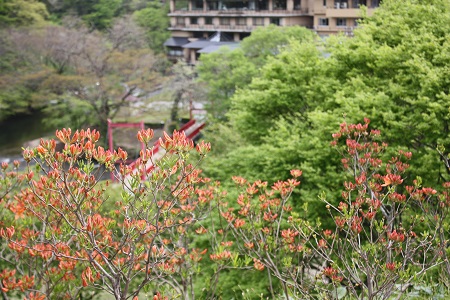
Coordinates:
334 16
194 20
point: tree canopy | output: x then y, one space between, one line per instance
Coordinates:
80 77
22 13
227 70
153 19
392 71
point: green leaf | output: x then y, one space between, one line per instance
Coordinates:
341 292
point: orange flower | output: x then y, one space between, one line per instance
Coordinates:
322 244
258 265
391 266
392 179
327 233
288 235
329 271
239 223
87 277
396 236
249 245
296 173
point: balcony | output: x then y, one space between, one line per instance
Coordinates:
343 13
349 8
213 28
346 12
348 30
239 13
345 9
346 4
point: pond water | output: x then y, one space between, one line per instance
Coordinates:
15 132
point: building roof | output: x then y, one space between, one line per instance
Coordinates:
176 42
220 37
200 44
212 48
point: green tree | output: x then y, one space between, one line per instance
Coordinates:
226 71
80 76
13 101
393 71
98 14
22 13
268 41
154 20
293 82
103 13
276 125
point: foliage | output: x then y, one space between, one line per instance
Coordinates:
22 13
154 20
97 14
268 41
85 76
295 81
61 225
392 71
278 128
387 235
62 236
13 102
103 13
80 113
224 72
227 70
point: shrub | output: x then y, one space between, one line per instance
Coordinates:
62 237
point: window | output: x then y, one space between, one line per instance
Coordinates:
176 52
375 3
180 21
213 5
323 21
224 21
251 5
241 21
341 4
358 3
232 5
199 34
208 21
279 5
275 21
258 21
194 20
297 4
262 5
197 5
341 22
324 2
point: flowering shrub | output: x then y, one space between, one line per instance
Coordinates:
66 235
386 233
61 236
